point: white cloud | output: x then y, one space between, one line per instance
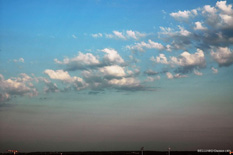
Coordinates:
115 71
186 14
74 36
142 46
4 97
169 75
190 60
79 62
19 60
227 9
50 87
178 75
198 26
227 19
223 56
64 76
112 56
209 9
183 32
128 82
196 72
19 86
167 31
129 34
97 35
58 75
150 72
135 34
119 34
161 59
214 70
151 79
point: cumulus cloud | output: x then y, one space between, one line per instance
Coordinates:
223 56
16 86
161 59
112 56
97 35
216 28
169 75
178 75
75 82
199 26
74 36
196 72
19 60
143 45
50 86
119 34
113 71
177 39
89 61
187 59
81 61
129 34
150 72
151 79
184 15
135 34
227 9
214 70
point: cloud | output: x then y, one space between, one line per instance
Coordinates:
151 79
113 71
227 9
135 34
19 60
187 59
81 61
4 97
143 45
129 34
89 61
119 35
216 28
112 56
176 39
113 77
97 35
75 82
198 26
223 56
74 36
58 75
50 87
160 59
169 75
16 86
150 72
178 75
184 15
196 72
214 70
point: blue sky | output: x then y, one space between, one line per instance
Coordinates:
116 75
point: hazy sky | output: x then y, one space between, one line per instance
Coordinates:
84 75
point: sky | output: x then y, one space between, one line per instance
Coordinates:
98 75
